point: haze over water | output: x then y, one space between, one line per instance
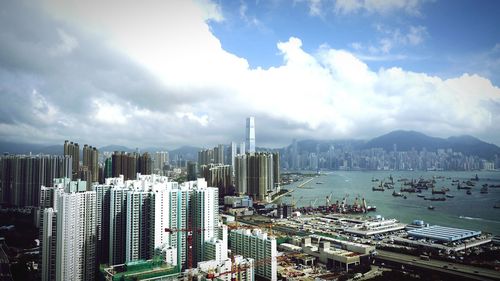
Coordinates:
473 211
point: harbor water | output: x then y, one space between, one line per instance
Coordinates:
475 211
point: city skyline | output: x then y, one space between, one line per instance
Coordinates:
307 69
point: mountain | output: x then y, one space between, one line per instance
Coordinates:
113 148
27 148
186 152
312 146
407 140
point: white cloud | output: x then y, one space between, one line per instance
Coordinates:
212 11
315 7
329 93
411 7
390 39
250 20
110 113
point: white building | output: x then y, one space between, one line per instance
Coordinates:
160 160
258 246
117 225
241 270
250 135
375 227
233 151
48 244
139 239
204 208
69 238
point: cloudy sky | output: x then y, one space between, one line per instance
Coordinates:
171 73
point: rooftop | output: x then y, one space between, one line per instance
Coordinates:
443 233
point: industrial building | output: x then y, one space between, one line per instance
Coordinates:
330 256
443 233
379 226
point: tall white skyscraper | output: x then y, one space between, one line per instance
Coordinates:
258 246
243 149
161 158
69 238
250 135
204 209
140 228
232 155
117 225
48 244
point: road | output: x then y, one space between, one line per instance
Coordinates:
468 271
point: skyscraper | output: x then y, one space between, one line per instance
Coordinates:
48 244
258 246
22 176
73 150
258 175
90 158
206 157
140 232
191 171
117 225
241 174
204 210
161 159
218 175
242 149
69 237
233 151
250 135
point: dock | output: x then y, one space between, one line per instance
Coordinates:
292 190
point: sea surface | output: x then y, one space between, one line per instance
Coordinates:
474 212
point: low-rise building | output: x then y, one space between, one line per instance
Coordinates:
375 227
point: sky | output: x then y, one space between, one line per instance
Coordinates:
173 73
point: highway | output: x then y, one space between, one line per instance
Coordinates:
472 272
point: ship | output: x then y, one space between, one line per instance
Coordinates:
435 198
484 190
421 195
468 192
409 190
389 185
430 207
379 188
319 182
442 191
450 196
476 178
470 183
396 194
463 187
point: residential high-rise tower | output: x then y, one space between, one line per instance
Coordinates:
250 135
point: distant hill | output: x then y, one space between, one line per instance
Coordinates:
187 152
27 148
407 140
324 145
113 148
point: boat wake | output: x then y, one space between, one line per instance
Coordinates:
477 219
471 218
